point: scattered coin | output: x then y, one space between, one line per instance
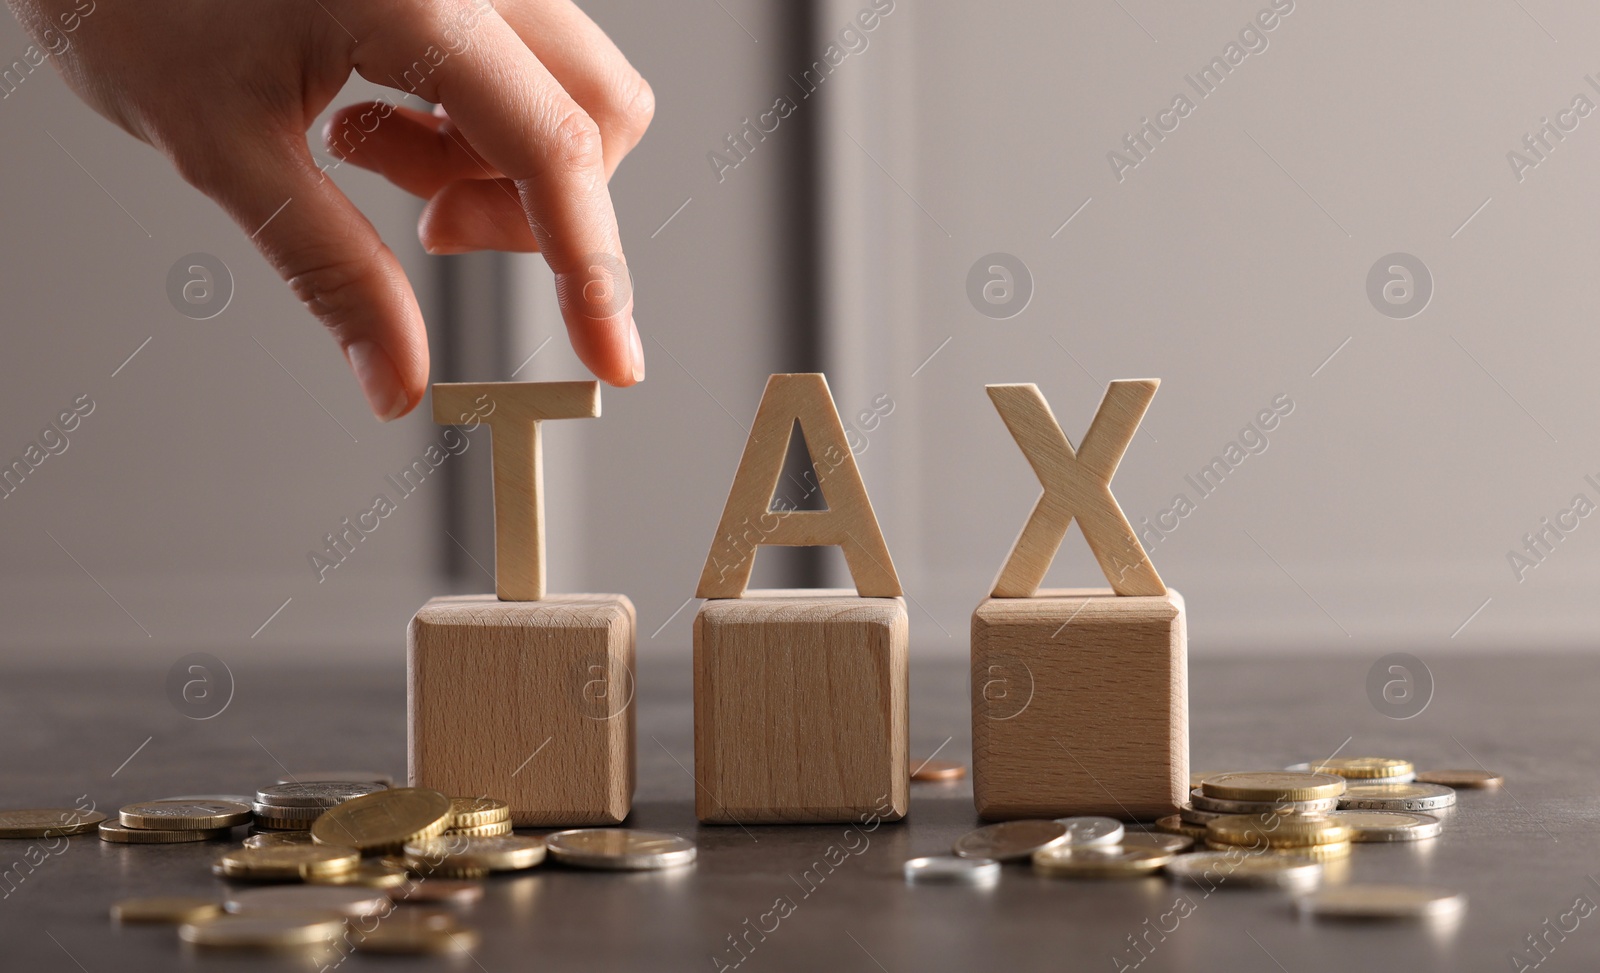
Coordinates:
1275 831
950 870
440 891
926 770
320 776
507 853
413 938
1174 843
262 932
48 822
1396 797
314 794
345 901
173 909
1272 785
1193 815
369 874
1098 861
184 815
1461 778
1010 840
490 830
1388 825
286 824
297 816
384 820
1382 902
286 862
244 799
620 848
120 833
268 839
1092 830
1201 802
1240 868
1388 769
474 812
1175 824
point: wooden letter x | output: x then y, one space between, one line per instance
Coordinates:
513 411
1076 484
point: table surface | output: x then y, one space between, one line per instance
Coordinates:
1523 855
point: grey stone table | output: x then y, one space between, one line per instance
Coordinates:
1523 855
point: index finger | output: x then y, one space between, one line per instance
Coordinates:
520 119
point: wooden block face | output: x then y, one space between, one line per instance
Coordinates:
1080 705
800 708
527 701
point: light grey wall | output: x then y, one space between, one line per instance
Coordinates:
1233 264
183 510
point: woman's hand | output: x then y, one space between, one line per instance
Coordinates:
537 108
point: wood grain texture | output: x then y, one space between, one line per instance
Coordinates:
1077 483
748 520
529 702
1080 705
800 708
513 413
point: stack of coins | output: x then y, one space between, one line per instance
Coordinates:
174 822
1387 770
296 805
479 817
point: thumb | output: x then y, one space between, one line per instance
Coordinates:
333 259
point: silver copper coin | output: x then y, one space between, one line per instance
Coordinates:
1397 797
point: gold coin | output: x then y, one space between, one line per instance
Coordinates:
48 822
926 770
1272 785
1175 824
263 932
1389 825
1198 777
624 849
1276 831
492 830
269 839
433 872
369 874
1099 861
1363 768
1321 853
286 862
165 909
499 854
474 812
184 815
409 938
1175 843
1461 778
120 833
352 901
286 824
385 820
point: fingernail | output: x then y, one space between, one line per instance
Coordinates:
638 353
379 380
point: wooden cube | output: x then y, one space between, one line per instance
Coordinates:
527 701
1080 705
800 708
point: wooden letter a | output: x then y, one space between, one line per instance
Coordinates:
748 521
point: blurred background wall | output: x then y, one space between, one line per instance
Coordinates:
971 194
